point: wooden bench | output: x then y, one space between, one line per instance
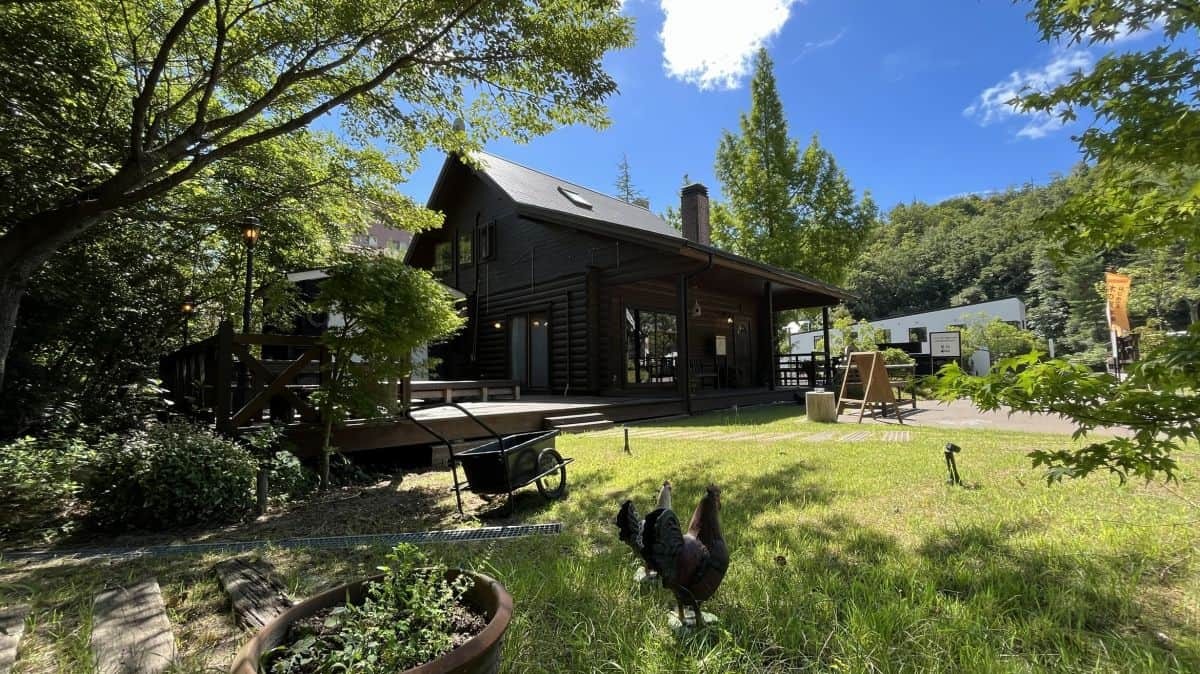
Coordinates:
898 379
448 391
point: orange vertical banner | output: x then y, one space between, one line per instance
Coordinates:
1116 289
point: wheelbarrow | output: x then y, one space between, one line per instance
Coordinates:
506 463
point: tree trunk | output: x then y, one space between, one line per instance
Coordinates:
11 290
326 450
25 247
1193 312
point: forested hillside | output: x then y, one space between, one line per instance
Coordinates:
977 248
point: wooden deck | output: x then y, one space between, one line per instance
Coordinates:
519 416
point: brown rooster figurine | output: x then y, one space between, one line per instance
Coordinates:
629 528
691 565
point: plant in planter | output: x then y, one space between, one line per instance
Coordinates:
413 617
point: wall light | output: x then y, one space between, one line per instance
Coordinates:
497 325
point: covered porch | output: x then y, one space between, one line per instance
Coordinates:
708 324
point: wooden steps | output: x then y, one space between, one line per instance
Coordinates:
12 626
579 423
255 593
130 630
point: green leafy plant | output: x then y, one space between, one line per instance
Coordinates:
1156 402
39 486
386 309
168 475
410 616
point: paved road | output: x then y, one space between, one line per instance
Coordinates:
962 414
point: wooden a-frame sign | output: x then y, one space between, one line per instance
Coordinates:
877 389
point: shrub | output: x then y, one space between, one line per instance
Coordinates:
409 617
290 479
170 474
38 485
894 356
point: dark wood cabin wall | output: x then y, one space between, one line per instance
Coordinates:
564 301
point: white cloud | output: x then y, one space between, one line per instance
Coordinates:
710 43
994 104
820 44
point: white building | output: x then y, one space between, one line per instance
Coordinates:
916 327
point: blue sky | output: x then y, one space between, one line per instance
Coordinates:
908 95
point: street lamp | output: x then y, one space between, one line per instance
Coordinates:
250 235
187 308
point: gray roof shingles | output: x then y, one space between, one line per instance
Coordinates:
530 187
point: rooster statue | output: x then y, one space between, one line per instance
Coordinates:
691 565
629 528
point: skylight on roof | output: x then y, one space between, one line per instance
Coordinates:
575 198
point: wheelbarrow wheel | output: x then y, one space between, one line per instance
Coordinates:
554 485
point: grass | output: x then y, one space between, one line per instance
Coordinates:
846 556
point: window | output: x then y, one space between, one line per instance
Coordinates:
575 198
1015 324
956 326
916 334
466 249
487 241
885 335
649 347
443 257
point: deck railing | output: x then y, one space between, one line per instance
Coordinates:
221 379
800 370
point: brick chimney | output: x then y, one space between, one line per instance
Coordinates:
693 208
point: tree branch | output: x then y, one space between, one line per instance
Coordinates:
141 104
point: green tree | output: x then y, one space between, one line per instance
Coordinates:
387 309
626 190
796 210
111 105
1161 280
97 316
1145 144
1000 339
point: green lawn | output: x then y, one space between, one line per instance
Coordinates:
846 556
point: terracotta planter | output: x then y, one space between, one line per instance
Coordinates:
480 655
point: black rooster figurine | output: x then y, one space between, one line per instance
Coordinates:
691 565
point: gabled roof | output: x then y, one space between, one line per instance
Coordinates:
540 195
532 188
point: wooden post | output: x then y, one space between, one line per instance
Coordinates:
774 364
224 406
828 360
682 368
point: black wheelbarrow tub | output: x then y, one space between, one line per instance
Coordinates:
485 466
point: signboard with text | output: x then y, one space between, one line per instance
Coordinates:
945 344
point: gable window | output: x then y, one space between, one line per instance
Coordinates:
466 249
443 257
487 241
649 346
916 334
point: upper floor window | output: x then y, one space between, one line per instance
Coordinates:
916 334
487 241
466 248
443 257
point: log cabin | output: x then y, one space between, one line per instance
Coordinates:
573 292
